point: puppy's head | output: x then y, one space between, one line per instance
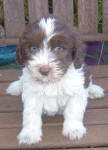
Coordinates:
47 48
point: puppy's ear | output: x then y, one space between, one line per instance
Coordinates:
79 51
20 54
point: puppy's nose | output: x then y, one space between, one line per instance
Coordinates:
44 70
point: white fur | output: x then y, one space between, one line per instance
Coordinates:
67 94
47 25
95 91
14 88
44 58
74 129
50 98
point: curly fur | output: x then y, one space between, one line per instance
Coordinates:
62 89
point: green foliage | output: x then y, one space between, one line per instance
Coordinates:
75 12
10 66
100 15
50 4
102 55
92 56
26 11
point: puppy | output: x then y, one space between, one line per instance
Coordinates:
54 79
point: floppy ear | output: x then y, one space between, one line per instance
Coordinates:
19 56
79 51
21 52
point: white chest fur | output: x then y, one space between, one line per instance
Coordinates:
54 95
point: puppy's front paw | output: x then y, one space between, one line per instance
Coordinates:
74 130
29 137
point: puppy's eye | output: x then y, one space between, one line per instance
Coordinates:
58 48
34 48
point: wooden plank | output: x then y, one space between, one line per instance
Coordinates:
102 148
3 87
92 117
9 75
8 41
98 103
53 138
105 16
63 11
10 120
103 82
94 37
99 71
37 9
13 74
96 116
10 104
87 16
85 38
14 17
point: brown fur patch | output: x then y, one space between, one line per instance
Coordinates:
77 48
73 46
32 36
63 56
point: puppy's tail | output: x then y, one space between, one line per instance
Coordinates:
14 88
95 91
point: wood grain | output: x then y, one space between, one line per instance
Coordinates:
91 37
9 75
37 9
85 37
10 104
105 16
97 135
14 17
63 11
102 148
87 16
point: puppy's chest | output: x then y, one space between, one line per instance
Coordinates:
54 94
54 100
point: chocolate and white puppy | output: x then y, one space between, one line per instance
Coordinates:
54 79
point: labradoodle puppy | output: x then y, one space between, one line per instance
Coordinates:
54 79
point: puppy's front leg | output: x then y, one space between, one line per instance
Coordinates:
32 123
73 116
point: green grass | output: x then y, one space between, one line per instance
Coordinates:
10 66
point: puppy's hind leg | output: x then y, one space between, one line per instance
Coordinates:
95 91
14 88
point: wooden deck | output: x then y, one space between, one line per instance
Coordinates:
96 119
